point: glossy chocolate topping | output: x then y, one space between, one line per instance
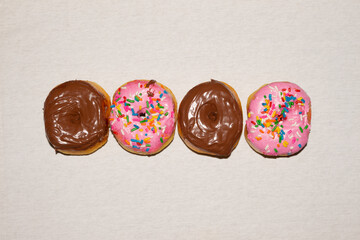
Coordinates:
210 118
75 116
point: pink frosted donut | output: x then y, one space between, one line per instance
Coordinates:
143 116
279 118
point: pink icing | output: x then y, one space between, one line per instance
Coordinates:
274 130
142 119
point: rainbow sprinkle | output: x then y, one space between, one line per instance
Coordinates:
270 118
146 121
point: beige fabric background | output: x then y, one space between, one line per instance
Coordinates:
178 194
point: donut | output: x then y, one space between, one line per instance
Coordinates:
76 117
210 119
279 119
143 116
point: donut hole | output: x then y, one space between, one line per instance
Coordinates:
71 124
74 118
212 116
142 112
208 116
71 118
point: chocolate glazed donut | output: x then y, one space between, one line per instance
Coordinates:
210 119
76 117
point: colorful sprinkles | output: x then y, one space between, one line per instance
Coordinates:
144 113
280 111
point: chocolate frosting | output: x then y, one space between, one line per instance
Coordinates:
75 116
210 118
151 82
